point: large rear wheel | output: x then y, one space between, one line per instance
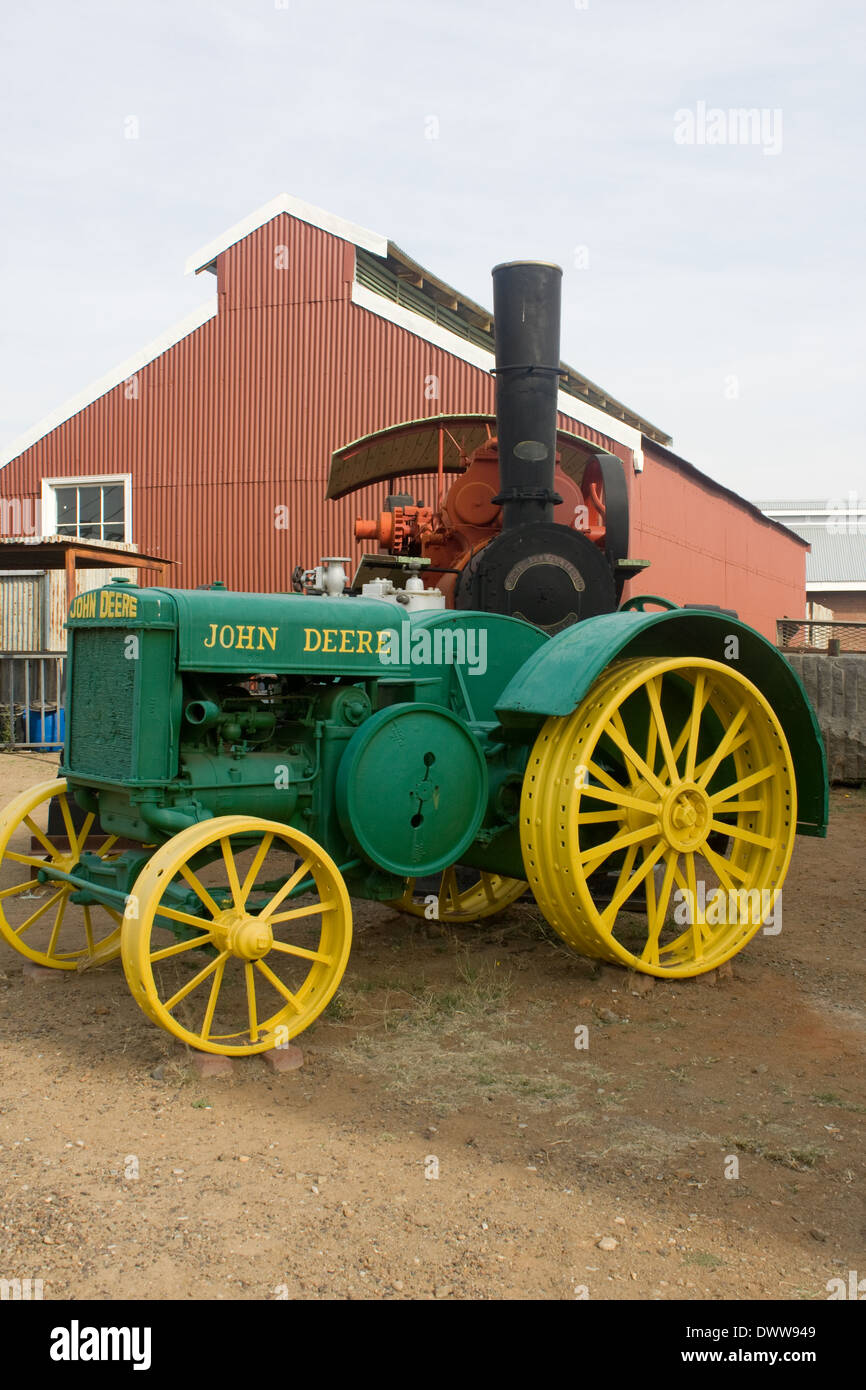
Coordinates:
658 820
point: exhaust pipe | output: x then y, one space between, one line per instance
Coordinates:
527 298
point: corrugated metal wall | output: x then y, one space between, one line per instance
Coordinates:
241 417
23 598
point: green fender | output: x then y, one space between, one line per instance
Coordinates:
556 678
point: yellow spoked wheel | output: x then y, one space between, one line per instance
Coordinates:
489 894
249 971
657 821
37 919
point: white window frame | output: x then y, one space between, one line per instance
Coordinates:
49 500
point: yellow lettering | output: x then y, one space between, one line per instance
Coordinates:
364 640
384 640
309 633
105 597
231 636
212 642
329 632
270 636
133 606
346 633
245 642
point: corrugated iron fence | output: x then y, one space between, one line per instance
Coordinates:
31 700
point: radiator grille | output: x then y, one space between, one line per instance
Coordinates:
101 705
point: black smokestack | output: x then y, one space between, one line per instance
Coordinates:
526 313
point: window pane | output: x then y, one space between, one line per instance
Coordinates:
113 531
66 506
88 504
65 529
112 503
89 533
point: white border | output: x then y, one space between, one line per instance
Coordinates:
49 501
442 337
294 207
122 372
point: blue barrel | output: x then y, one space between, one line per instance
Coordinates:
47 727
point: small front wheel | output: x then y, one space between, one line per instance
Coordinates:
212 950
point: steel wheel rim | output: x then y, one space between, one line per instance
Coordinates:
20 813
566 812
237 938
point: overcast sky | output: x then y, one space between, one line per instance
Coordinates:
716 288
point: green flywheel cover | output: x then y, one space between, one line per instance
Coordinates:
412 789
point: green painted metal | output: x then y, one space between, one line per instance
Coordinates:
557 677
412 789
318 712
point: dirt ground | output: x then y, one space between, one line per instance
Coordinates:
445 1138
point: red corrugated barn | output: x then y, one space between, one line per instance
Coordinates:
321 333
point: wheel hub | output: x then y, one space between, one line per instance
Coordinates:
686 816
248 938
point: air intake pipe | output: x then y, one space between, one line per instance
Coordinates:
526 314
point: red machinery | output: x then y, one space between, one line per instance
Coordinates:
464 514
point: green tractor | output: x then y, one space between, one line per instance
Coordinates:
238 766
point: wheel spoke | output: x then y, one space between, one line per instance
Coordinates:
249 974
697 935
617 721
259 859
603 777
724 867
232 871
739 742
740 833
743 785
651 742
633 756
88 930
310 911
657 916
722 751
199 889
179 947
19 887
288 949
598 817
699 699
619 797
106 846
599 853
290 883
653 696
194 982
43 839
186 917
623 894
85 831
58 922
67 821
33 860
216 984
49 902
278 985
449 890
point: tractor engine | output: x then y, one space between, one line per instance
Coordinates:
536 523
